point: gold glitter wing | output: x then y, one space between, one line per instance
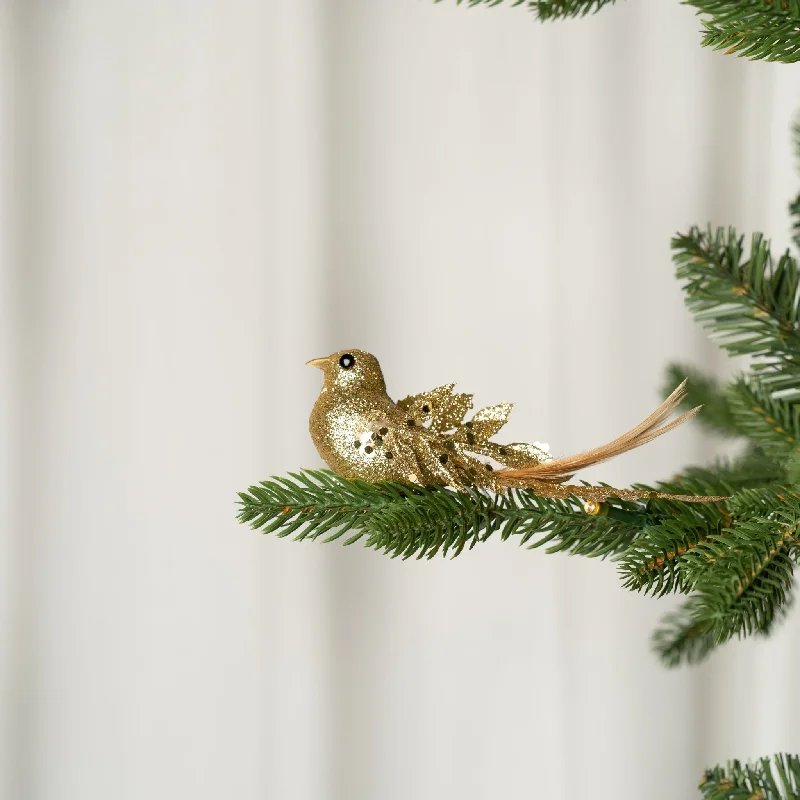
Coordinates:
440 407
388 438
517 455
444 411
476 434
422 455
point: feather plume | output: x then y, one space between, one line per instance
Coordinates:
561 469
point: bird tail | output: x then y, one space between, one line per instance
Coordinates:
547 476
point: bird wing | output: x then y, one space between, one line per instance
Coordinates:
431 426
442 408
517 455
417 454
484 424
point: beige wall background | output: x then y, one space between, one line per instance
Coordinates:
196 198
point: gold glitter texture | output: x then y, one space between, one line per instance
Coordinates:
361 433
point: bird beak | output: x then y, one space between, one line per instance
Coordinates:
319 363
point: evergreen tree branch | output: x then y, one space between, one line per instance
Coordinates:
405 520
753 469
703 390
655 561
749 302
743 574
794 207
755 29
426 523
794 211
546 9
682 638
565 526
772 422
775 779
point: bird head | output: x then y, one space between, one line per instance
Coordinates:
351 370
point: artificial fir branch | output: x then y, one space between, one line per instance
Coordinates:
656 541
655 563
409 520
794 211
742 576
747 300
770 421
767 779
546 9
756 29
422 524
703 390
794 206
682 638
753 469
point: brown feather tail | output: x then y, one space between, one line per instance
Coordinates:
545 477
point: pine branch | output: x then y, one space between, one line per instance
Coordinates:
657 541
425 523
546 9
794 211
405 520
681 638
655 562
752 470
703 390
561 9
772 422
312 503
565 526
755 29
742 576
794 207
750 304
776 779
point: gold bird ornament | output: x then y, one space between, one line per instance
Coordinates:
360 432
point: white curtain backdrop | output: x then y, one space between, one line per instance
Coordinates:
196 197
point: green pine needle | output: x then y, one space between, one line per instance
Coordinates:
546 9
794 211
681 638
564 526
794 206
405 520
655 562
767 779
755 29
703 390
741 575
748 301
753 469
770 421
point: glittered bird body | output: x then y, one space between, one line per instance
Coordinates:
361 433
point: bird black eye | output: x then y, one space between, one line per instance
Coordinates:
346 361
